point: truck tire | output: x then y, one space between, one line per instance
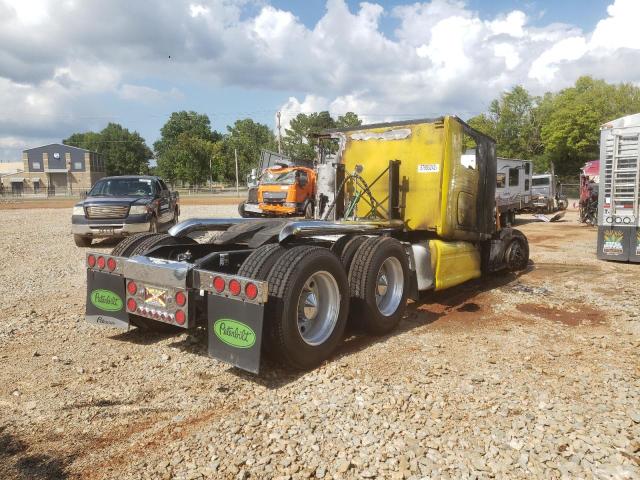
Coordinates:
82 241
308 210
516 253
259 263
307 308
124 248
157 240
379 284
346 247
241 210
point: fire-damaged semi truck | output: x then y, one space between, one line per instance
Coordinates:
404 216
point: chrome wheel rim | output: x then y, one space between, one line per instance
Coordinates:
318 308
389 286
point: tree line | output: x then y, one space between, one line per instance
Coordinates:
561 127
191 151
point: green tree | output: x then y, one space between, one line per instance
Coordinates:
192 123
512 121
247 138
189 159
125 152
298 140
185 146
348 120
571 132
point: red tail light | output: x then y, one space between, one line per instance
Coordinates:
180 317
218 284
251 291
132 305
132 288
234 287
91 260
101 263
181 299
111 264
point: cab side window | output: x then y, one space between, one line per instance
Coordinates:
302 178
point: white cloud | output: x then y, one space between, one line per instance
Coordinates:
545 67
443 57
620 29
144 94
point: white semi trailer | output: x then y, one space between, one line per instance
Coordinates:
618 223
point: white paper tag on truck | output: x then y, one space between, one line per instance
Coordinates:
428 167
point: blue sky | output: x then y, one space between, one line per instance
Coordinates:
234 59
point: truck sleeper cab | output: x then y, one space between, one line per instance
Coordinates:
419 219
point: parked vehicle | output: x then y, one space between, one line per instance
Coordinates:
124 205
513 188
410 218
281 192
588 202
545 193
618 209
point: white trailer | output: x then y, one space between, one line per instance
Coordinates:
619 198
513 188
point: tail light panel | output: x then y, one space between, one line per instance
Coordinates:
164 304
231 286
101 262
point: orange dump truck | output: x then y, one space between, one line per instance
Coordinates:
282 191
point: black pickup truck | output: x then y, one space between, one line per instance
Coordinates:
124 205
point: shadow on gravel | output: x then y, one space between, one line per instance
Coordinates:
16 462
273 376
141 337
455 299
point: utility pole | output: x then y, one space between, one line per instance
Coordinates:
235 153
279 134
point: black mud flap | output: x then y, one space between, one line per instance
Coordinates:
105 300
235 331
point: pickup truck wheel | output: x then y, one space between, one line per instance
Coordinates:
82 241
379 281
308 306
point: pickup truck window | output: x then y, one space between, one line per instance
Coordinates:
163 186
122 187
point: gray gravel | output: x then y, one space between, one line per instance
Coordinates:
530 377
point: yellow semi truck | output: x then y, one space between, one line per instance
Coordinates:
399 211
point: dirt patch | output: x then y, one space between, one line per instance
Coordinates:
572 316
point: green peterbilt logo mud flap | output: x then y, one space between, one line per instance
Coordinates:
105 300
235 332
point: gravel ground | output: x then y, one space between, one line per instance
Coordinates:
529 376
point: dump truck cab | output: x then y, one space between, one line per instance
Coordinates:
283 191
402 213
